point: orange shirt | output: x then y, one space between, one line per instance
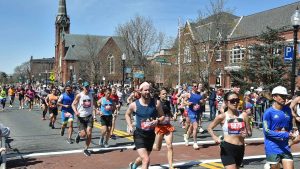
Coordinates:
11 91
52 100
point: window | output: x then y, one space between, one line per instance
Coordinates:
218 55
111 64
187 57
237 54
250 52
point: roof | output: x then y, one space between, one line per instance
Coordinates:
255 24
78 45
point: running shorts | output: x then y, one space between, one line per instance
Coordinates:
67 117
53 111
231 153
106 120
84 122
164 129
276 158
144 139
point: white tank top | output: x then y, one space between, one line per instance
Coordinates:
85 106
233 125
298 109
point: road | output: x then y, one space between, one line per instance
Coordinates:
35 145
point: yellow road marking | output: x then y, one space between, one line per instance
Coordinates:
117 132
217 164
207 165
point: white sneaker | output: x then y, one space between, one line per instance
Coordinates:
267 166
195 146
186 139
201 130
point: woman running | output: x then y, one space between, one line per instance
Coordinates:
164 129
235 128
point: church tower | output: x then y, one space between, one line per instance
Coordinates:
62 27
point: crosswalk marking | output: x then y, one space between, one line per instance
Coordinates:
217 164
210 166
117 132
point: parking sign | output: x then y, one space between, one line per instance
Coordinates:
288 53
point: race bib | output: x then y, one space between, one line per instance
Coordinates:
196 107
147 125
87 103
108 107
68 115
235 126
166 120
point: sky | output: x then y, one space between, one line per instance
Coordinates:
27 26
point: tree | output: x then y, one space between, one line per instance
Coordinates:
89 61
265 65
22 72
141 39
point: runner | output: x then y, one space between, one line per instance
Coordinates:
235 128
164 129
192 100
116 100
67 114
30 95
21 94
83 109
51 101
277 128
43 94
107 108
12 94
2 98
147 110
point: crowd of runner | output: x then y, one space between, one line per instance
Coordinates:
151 111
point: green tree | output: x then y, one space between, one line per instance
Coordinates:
264 65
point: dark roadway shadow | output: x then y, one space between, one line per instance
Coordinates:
24 163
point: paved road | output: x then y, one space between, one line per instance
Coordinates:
35 145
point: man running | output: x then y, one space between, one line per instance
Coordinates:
83 109
43 94
115 98
30 95
51 101
67 114
21 94
277 127
147 111
11 93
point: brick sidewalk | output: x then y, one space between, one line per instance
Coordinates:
117 159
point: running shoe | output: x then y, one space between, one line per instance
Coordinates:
86 152
114 137
186 139
101 140
70 141
53 126
201 130
50 124
77 138
62 131
106 145
195 146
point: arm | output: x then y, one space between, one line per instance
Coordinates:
270 133
75 103
128 114
213 124
161 114
293 108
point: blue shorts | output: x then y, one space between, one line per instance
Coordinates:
65 119
193 117
276 158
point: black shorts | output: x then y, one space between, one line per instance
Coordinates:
21 97
231 153
106 120
84 122
144 139
53 111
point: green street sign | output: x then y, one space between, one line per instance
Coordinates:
161 60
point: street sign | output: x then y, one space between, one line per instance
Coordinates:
161 60
288 54
52 77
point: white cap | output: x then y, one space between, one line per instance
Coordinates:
259 89
44 86
280 90
247 93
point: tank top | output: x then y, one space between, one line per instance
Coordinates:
167 112
298 110
234 125
52 100
106 106
67 100
145 115
85 106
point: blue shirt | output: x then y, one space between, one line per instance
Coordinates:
67 100
277 125
106 106
195 107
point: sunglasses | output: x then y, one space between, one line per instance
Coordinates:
87 100
232 101
282 96
195 86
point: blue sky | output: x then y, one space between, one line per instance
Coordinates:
27 26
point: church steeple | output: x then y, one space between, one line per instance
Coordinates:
62 8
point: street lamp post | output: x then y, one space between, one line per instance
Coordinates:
40 77
46 77
71 73
123 66
103 78
295 22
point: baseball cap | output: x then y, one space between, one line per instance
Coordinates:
280 90
85 84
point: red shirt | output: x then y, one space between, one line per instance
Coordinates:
114 98
100 95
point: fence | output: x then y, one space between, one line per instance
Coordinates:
258 111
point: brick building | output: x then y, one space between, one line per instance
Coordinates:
40 69
214 46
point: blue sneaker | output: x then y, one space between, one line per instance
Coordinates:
101 140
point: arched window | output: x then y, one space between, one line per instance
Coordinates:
111 64
187 56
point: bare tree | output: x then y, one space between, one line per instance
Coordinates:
22 72
89 61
